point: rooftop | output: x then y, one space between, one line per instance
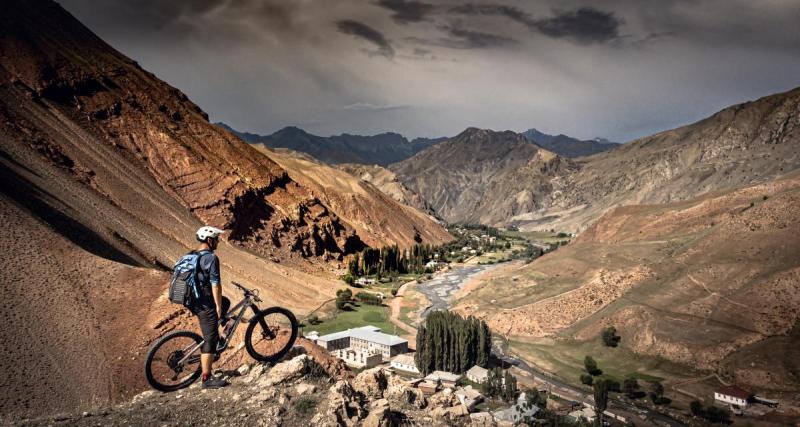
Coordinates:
442 376
367 333
477 371
405 359
735 391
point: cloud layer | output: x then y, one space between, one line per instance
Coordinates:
618 68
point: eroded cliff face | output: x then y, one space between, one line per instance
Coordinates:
225 182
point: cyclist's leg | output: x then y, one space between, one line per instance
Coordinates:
207 317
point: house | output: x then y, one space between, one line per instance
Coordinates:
519 411
358 359
469 397
733 395
368 339
587 412
446 379
477 374
405 362
363 281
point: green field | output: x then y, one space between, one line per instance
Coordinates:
362 315
565 359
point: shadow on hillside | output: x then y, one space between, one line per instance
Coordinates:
40 204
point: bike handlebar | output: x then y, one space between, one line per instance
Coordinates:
247 292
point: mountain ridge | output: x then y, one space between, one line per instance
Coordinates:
380 149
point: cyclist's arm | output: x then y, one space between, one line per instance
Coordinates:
216 285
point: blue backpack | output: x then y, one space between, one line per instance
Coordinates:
185 287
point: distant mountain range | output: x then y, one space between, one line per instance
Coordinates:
381 149
568 146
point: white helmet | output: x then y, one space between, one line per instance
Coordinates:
207 231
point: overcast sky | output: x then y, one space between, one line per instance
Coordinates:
617 69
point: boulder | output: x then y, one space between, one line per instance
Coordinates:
305 388
443 399
481 419
286 371
371 383
400 393
380 415
344 407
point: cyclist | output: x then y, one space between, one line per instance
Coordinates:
211 306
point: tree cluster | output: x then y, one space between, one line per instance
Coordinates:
390 260
369 298
343 297
610 337
501 384
710 413
449 342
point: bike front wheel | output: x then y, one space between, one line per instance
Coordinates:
173 361
271 333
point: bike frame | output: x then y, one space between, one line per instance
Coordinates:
247 302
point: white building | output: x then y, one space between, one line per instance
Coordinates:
358 359
363 281
368 339
446 379
732 395
477 374
405 362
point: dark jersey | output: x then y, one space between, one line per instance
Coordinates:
208 269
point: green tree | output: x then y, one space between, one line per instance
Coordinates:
610 337
656 392
600 399
630 387
587 379
509 387
591 366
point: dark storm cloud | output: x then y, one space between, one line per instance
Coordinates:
585 25
406 12
363 31
459 38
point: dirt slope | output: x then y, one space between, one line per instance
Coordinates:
376 216
386 181
703 282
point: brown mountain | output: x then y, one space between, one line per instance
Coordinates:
386 181
708 283
107 172
478 175
483 176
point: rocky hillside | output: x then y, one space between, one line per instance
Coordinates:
296 392
483 176
381 149
382 220
386 181
470 180
709 283
107 172
568 146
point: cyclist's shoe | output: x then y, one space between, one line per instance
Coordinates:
215 382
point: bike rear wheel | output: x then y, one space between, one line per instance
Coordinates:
270 334
163 368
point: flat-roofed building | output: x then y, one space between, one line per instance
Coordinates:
368 339
405 362
446 379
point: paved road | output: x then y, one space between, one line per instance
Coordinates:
441 289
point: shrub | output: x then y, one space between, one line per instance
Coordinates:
349 279
313 319
710 413
591 366
305 404
394 292
610 337
587 379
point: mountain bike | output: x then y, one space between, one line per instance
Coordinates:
173 361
